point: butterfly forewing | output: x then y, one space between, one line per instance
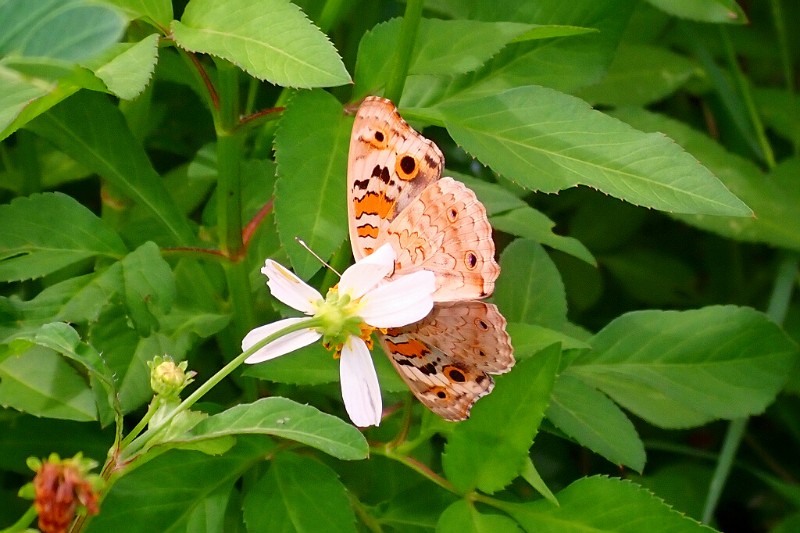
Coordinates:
388 166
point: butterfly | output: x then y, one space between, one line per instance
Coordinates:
396 194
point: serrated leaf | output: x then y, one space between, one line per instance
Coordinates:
40 382
441 47
463 517
774 198
640 74
529 288
94 132
270 39
594 421
43 233
532 224
529 339
714 11
298 494
66 30
565 64
602 504
494 197
548 141
164 492
281 417
311 151
126 74
489 450
158 11
681 369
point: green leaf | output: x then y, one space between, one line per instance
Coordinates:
66 30
441 48
310 365
40 382
640 74
311 151
682 484
532 224
46 232
681 369
281 417
594 421
127 353
298 494
714 11
534 479
490 449
774 198
164 493
128 72
780 110
269 39
560 63
94 132
602 504
157 11
529 339
462 517
17 92
549 141
529 288
149 287
494 197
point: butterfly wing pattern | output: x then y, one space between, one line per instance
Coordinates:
396 194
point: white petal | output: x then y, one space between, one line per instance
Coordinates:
368 272
290 289
402 301
360 389
287 343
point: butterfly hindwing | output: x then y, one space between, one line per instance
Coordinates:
445 230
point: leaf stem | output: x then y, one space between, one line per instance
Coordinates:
747 98
416 466
776 310
404 50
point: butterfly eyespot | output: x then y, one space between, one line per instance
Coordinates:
471 260
454 374
481 324
378 140
439 392
452 214
407 167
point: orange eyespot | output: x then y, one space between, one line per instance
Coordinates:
407 167
454 373
378 139
439 392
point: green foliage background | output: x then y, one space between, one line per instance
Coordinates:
154 155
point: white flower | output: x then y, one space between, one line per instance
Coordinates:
363 301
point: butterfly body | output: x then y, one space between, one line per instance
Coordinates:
396 195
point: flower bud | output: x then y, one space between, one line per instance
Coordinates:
168 379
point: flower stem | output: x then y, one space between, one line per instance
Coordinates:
147 437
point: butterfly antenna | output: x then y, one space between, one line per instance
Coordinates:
304 245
